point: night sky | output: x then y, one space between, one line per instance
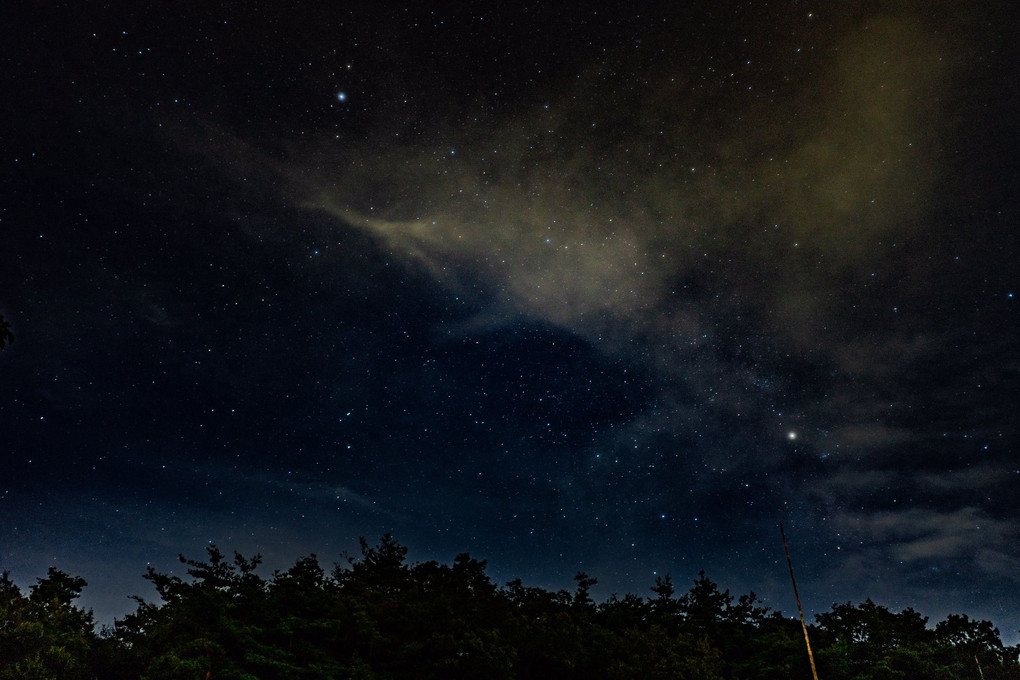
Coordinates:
567 286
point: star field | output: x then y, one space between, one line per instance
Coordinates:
599 288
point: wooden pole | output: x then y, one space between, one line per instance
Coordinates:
800 610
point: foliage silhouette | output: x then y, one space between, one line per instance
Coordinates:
6 337
377 616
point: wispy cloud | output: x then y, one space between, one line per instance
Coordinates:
917 534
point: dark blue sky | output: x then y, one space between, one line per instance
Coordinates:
566 287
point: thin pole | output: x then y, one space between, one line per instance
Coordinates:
800 610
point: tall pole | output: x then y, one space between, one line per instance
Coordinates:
800 610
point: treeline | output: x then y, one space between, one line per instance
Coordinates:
377 616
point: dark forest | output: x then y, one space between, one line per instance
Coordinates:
375 615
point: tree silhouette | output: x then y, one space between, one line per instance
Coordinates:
6 337
377 616
44 635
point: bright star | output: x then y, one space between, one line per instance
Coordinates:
341 96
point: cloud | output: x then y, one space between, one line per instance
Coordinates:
729 234
870 437
954 481
848 482
885 357
597 218
921 534
731 240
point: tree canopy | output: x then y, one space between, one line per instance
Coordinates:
375 615
6 337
